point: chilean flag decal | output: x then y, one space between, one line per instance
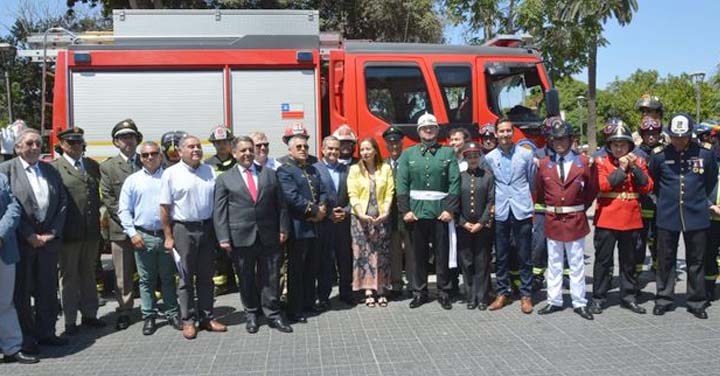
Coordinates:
292 111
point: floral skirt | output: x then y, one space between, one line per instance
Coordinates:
371 256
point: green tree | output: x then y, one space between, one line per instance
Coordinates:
592 16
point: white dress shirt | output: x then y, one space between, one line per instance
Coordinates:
190 191
253 171
40 188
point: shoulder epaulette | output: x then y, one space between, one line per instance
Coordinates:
706 145
658 149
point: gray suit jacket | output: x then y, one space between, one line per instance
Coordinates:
239 219
21 188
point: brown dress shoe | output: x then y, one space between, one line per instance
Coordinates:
499 302
526 305
189 331
213 326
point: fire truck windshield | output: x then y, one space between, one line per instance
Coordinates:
517 94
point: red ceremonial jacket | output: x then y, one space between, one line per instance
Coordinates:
620 211
578 189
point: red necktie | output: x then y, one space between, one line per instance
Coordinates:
251 184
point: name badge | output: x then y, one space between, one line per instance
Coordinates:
669 161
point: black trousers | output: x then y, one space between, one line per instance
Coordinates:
195 243
424 232
336 260
474 254
605 241
224 276
695 247
711 261
303 265
36 277
539 246
254 264
647 239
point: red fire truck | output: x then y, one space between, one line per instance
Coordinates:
265 70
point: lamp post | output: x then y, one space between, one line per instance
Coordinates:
580 99
697 78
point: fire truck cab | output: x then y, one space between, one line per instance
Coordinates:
266 70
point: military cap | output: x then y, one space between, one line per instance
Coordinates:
126 126
471 147
220 132
71 134
393 134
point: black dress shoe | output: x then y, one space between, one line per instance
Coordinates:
417 301
584 313
123 322
322 306
175 322
149 326
698 312
301 319
53 341
659 310
472 304
595 307
482 306
280 325
548 309
94 322
634 307
445 302
20 357
348 300
251 325
71 330
30 349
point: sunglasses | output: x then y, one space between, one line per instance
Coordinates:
37 143
262 144
150 154
302 147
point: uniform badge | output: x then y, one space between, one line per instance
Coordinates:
697 165
679 125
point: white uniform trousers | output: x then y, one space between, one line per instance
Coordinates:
576 261
10 335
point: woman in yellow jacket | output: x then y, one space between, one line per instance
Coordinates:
370 187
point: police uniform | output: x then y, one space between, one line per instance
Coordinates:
224 279
400 241
428 183
684 180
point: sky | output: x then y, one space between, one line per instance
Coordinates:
670 36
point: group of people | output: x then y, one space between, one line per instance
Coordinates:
367 224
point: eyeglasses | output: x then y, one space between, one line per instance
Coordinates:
150 154
262 144
37 143
302 147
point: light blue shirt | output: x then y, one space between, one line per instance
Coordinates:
138 203
514 182
334 173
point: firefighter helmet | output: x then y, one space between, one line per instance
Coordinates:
345 133
649 102
294 130
220 133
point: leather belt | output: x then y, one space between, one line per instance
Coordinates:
565 209
195 223
155 233
620 195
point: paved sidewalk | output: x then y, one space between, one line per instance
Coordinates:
399 341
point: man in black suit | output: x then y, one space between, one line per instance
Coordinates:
307 206
251 223
336 253
40 192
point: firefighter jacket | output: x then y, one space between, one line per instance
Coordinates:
428 181
647 201
566 201
619 192
304 194
219 166
683 183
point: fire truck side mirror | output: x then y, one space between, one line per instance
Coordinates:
552 102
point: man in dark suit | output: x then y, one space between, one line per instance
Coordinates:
81 234
307 205
113 172
336 253
39 190
251 224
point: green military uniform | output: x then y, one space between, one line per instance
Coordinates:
428 183
81 233
113 173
